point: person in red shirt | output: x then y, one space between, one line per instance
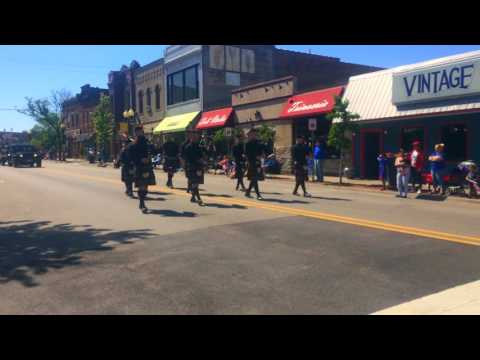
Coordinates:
417 159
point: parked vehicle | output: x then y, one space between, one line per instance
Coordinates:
23 154
3 155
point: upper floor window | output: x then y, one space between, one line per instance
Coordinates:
183 85
149 99
140 102
157 97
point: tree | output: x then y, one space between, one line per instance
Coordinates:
43 138
266 134
47 113
340 129
103 123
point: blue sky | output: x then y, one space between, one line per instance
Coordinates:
35 71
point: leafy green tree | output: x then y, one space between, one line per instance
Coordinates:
47 113
103 123
220 141
339 131
43 138
266 134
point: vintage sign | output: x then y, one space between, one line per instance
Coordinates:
439 82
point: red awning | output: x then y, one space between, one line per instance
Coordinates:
215 118
311 103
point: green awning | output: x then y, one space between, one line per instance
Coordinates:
175 123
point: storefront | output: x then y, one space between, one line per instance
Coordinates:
432 102
307 113
176 126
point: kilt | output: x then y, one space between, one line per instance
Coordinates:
255 171
144 175
195 174
239 170
128 173
301 172
170 165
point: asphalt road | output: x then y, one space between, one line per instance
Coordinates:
72 243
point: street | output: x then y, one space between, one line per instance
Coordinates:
71 242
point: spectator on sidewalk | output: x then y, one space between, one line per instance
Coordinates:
473 181
382 169
437 166
417 159
403 173
318 158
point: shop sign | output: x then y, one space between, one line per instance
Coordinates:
439 82
312 124
215 118
312 103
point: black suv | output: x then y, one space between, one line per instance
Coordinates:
3 154
23 155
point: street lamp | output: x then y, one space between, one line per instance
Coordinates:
129 115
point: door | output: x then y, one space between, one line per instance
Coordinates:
372 148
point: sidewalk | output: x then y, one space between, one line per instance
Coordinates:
353 184
460 300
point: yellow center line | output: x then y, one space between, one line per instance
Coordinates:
311 214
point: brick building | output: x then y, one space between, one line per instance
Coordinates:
121 88
77 116
150 95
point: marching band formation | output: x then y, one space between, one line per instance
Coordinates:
135 161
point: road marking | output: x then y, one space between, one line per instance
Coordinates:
463 239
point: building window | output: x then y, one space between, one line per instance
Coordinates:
232 79
455 139
157 97
140 102
127 100
149 100
183 85
411 134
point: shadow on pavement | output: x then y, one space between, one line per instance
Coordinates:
224 206
157 192
329 198
281 201
171 213
154 199
30 248
431 197
217 195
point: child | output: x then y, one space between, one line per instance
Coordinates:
382 169
310 164
473 180
225 164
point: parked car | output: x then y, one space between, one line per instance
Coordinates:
3 154
23 154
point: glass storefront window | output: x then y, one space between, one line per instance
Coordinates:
455 139
323 127
411 134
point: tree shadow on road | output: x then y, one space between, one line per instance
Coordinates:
171 213
31 248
